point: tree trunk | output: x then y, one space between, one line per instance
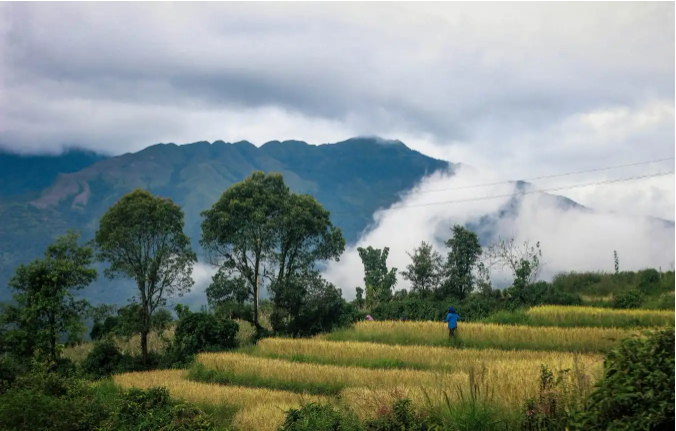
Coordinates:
144 346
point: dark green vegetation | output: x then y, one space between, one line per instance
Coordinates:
42 400
26 176
350 179
637 391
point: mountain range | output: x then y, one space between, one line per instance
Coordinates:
42 196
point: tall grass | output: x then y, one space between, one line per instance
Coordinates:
479 395
374 355
484 335
257 408
577 316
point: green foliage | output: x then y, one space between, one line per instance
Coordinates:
142 238
104 360
309 305
129 322
637 390
43 400
461 262
379 280
425 270
630 299
540 293
258 223
317 417
152 409
203 332
46 308
401 416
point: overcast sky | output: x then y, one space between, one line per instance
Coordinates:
522 90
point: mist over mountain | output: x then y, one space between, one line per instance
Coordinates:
357 180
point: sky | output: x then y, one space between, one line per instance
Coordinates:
513 90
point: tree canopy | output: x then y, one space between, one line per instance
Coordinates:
260 234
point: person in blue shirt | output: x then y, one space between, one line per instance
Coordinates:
452 319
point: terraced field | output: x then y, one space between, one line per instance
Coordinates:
373 363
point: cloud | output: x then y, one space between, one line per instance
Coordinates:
571 240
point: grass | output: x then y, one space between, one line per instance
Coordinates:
484 335
374 355
256 408
569 316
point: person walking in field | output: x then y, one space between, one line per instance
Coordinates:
452 319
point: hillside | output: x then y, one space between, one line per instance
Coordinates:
351 179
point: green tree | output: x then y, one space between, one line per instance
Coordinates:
260 233
44 291
238 231
379 281
461 262
142 238
425 270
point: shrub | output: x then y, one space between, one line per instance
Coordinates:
637 390
202 332
152 409
103 360
43 400
401 416
630 299
318 417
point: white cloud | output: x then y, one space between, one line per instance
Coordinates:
571 240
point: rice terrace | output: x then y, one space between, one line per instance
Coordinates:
369 366
337 216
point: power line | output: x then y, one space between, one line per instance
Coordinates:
533 191
545 176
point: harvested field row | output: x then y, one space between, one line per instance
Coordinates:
570 316
374 355
484 335
259 408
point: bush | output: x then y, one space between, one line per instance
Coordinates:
400 417
43 400
103 360
202 332
637 390
630 299
317 417
649 280
152 409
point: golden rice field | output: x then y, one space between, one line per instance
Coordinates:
485 335
259 408
597 316
372 364
425 357
276 369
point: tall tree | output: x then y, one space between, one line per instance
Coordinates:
461 262
259 233
46 308
379 281
425 270
142 238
